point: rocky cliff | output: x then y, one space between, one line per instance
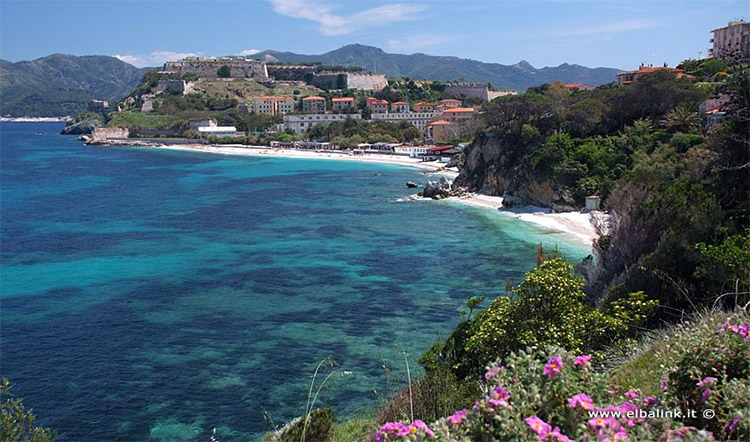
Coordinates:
495 168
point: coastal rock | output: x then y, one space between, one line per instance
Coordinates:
83 125
437 189
411 184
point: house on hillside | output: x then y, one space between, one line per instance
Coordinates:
314 105
626 78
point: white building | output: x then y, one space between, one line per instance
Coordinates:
420 120
302 122
218 131
412 151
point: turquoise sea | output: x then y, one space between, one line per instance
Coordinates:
155 295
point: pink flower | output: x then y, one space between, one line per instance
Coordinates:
418 424
664 383
499 397
556 435
631 394
394 428
744 331
458 417
621 435
538 426
582 360
492 372
581 400
553 367
733 425
704 395
650 401
706 381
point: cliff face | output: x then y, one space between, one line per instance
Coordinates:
494 168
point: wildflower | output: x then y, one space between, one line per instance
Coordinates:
553 367
582 360
650 401
706 381
631 394
744 331
538 426
621 435
733 425
418 424
492 372
598 422
395 428
664 383
704 395
458 417
581 400
556 435
499 397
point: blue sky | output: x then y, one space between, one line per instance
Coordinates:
608 33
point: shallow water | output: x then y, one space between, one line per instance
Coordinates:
154 295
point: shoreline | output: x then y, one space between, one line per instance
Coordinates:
262 151
64 119
578 225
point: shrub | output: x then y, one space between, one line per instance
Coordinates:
319 427
548 309
17 423
550 395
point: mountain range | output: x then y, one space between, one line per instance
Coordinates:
519 76
60 84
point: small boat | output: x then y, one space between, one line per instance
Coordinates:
38 133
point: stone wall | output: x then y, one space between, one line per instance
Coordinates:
105 133
290 73
184 87
467 90
240 68
350 80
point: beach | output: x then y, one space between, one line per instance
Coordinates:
576 224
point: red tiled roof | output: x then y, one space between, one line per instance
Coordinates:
399 103
440 123
343 99
439 148
314 97
460 110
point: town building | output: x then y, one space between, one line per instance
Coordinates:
442 153
98 106
626 78
376 105
457 114
423 106
342 103
412 151
579 87
480 91
730 40
273 105
217 131
420 120
400 107
314 105
302 122
195 124
440 131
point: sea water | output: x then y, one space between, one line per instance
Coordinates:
149 294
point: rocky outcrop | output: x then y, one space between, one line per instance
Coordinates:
493 168
442 188
83 125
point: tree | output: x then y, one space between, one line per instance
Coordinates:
16 423
224 72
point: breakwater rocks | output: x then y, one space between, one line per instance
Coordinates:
442 188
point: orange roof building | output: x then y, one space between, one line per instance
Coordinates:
629 77
342 103
458 113
314 105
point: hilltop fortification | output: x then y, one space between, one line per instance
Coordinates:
208 67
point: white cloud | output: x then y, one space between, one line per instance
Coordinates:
155 58
249 52
332 24
416 41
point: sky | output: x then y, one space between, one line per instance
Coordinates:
610 33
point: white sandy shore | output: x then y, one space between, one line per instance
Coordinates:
576 224
261 151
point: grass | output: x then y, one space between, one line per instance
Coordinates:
355 429
244 91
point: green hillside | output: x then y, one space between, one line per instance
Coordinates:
440 68
62 84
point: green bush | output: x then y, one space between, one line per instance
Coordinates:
547 308
224 72
17 423
317 428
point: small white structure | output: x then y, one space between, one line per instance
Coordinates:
592 203
412 151
218 131
196 124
